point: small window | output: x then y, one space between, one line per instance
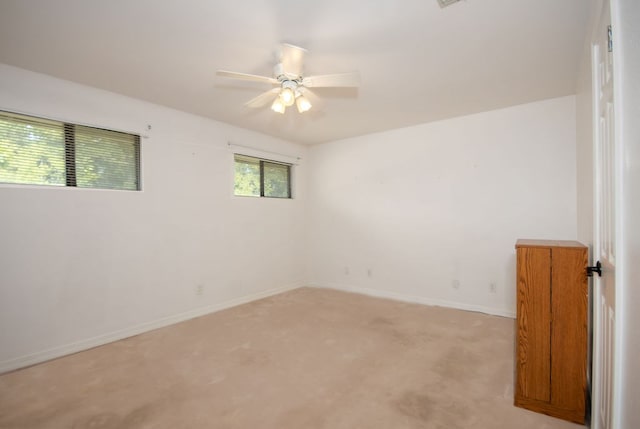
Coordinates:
39 151
255 177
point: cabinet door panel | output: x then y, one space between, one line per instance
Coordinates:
568 328
534 319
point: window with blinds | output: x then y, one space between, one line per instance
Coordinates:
39 151
255 177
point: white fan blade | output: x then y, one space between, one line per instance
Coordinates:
332 80
292 58
245 76
311 96
263 98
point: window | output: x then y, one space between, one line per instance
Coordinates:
255 177
43 152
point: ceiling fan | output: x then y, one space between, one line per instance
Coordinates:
291 86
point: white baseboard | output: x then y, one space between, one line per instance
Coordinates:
56 352
416 299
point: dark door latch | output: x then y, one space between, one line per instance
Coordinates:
596 269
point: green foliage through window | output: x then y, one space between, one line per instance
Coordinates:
42 152
255 177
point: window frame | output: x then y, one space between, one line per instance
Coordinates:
70 161
261 161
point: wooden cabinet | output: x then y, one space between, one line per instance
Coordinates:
551 328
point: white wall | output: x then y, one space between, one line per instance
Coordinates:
403 214
80 267
407 213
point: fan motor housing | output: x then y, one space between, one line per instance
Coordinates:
291 84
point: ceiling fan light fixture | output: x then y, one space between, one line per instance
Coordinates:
289 84
303 104
278 106
287 96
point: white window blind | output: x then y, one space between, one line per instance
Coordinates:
257 177
43 152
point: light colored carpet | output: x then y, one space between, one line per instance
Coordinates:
309 358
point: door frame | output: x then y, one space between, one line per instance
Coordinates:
615 407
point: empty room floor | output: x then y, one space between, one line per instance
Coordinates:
308 358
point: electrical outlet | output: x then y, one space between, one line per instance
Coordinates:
199 289
493 288
346 271
455 284
369 272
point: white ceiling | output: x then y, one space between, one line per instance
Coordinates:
418 62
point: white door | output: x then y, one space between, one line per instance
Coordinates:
604 288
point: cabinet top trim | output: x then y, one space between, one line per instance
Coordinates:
523 242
